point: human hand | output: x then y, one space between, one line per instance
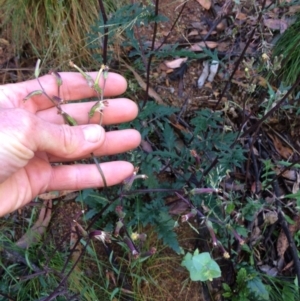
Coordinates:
33 135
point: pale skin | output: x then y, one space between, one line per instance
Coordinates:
33 136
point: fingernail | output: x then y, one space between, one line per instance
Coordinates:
92 132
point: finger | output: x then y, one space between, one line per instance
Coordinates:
68 141
115 142
74 87
117 111
84 176
25 134
38 177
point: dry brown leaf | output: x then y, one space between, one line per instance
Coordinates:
282 242
177 208
256 187
294 9
162 67
76 252
33 235
223 46
54 194
240 84
201 45
241 16
169 71
179 127
146 146
296 184
276 24
175 63
271 218
194 32
287 174
205 3
208 85
198 25
165 33
142 84
204 32
284 151
222 25
4 42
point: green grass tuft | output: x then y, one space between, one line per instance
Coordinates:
55 30
289 46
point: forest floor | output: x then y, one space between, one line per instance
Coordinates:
223 31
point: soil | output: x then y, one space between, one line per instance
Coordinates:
170 281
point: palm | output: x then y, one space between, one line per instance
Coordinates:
29 154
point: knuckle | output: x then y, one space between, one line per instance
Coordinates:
69 140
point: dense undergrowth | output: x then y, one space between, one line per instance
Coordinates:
215 167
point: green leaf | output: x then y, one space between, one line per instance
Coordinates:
293 196
169 137
256 287
165 230
201 266
288 293
241 276
287 164
114 292
226 287
230 207
33 93
68 119
187 261
91 213
227 295
289 220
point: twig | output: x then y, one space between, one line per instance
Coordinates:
151 55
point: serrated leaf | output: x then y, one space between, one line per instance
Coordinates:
256 286
165 230
91 213
241 276
169 137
